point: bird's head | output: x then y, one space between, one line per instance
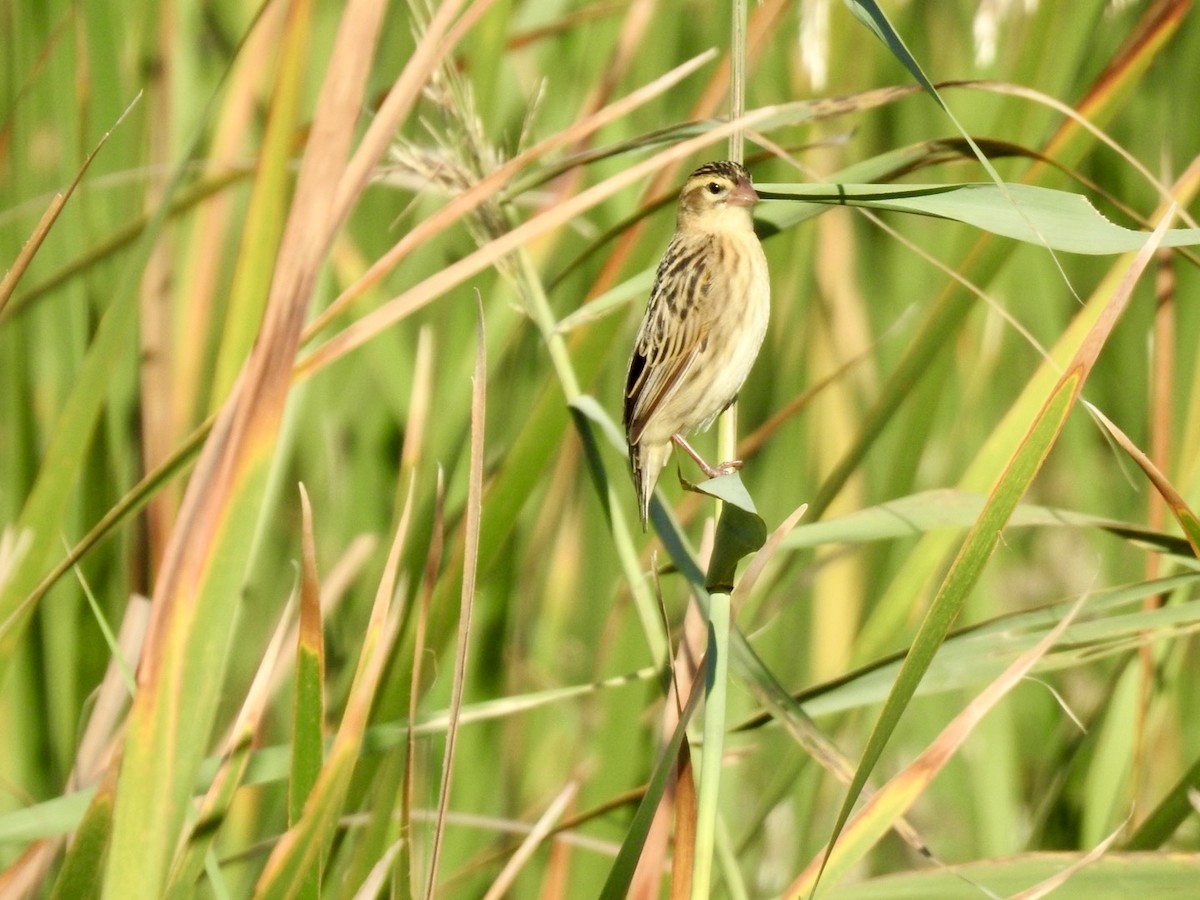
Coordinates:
715 195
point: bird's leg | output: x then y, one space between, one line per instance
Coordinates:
725 468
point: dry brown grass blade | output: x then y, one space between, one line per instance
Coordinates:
1175 501
542 829
495 182
473 514
898 795
420 400
419 403
426 57
685 824
433 564
1058 879
764 555
13 276
251 418
685 668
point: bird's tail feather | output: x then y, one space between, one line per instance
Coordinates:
647 462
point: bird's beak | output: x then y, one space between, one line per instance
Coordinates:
743 194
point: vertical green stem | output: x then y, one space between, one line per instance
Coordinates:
716 673
717 658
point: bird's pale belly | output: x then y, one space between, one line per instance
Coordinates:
711 385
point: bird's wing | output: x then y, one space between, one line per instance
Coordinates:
674 332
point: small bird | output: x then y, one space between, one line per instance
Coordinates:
703 327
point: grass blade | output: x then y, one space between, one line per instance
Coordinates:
470 568
982 539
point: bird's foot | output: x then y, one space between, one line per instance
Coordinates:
725 468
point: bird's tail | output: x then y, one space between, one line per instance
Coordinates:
647 461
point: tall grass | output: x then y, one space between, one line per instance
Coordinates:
396 255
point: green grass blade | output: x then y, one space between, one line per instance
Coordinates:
298 859
981 540
1171 812
620 876
898 795
309 698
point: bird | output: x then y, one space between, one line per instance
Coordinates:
704 324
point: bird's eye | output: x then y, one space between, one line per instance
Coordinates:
714 188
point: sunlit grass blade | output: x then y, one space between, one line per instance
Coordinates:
1001 443
1175 502
193 615
898 795
949 508
1113 623
540 831
981 540
1155 874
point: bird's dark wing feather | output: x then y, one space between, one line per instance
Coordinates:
674 331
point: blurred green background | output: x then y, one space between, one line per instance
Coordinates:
873 345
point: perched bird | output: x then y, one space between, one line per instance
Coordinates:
703 326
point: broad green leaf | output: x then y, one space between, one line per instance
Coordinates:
740 529
945 508
1036 215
